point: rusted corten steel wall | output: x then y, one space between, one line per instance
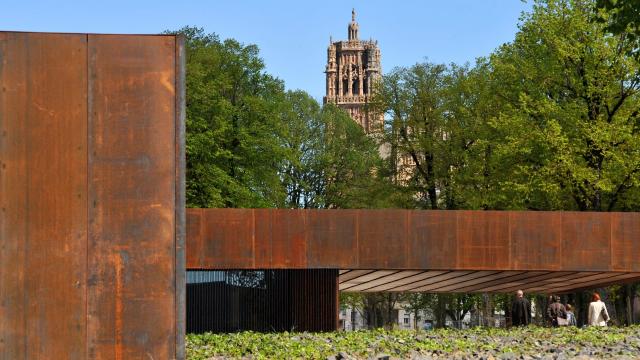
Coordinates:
406 239
91 196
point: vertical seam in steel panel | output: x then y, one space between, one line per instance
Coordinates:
86 270
179 198
176 181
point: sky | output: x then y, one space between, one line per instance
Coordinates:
293 35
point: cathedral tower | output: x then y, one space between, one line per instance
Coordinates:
353 66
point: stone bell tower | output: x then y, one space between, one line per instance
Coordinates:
353 67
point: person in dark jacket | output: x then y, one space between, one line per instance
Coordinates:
520 310
556 310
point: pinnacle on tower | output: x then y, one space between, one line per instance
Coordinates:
353 26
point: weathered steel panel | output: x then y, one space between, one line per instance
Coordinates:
586 241
432 239
289 239
91 196
43 176
368 240
483 240
382 232
195 251
332 239
535 240
625 241
262 239
132 197
57 196
13 193
229 238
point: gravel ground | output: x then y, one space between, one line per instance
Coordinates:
479 343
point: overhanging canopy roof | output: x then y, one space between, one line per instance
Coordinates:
435 251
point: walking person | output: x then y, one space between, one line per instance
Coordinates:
598 315
556 312
571 317
520 310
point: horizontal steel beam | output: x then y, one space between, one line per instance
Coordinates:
413 240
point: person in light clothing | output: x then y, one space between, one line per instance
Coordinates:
571 317
598 315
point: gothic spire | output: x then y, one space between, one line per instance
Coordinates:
353 26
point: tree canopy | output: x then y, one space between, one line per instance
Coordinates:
250 143
548 121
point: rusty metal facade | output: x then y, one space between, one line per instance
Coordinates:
262 300
91 196
413 240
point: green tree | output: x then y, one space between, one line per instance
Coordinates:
233 131
331 162
251 144
568 112
436 120
622 17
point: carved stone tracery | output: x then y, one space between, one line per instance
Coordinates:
353 66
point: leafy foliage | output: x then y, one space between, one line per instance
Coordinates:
403 343
549 121
622 18
250 143
569 112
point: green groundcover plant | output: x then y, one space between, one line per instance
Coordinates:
476 342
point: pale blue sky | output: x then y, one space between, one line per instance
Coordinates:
293 35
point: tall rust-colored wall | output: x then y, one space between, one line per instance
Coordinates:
408 239
91 196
